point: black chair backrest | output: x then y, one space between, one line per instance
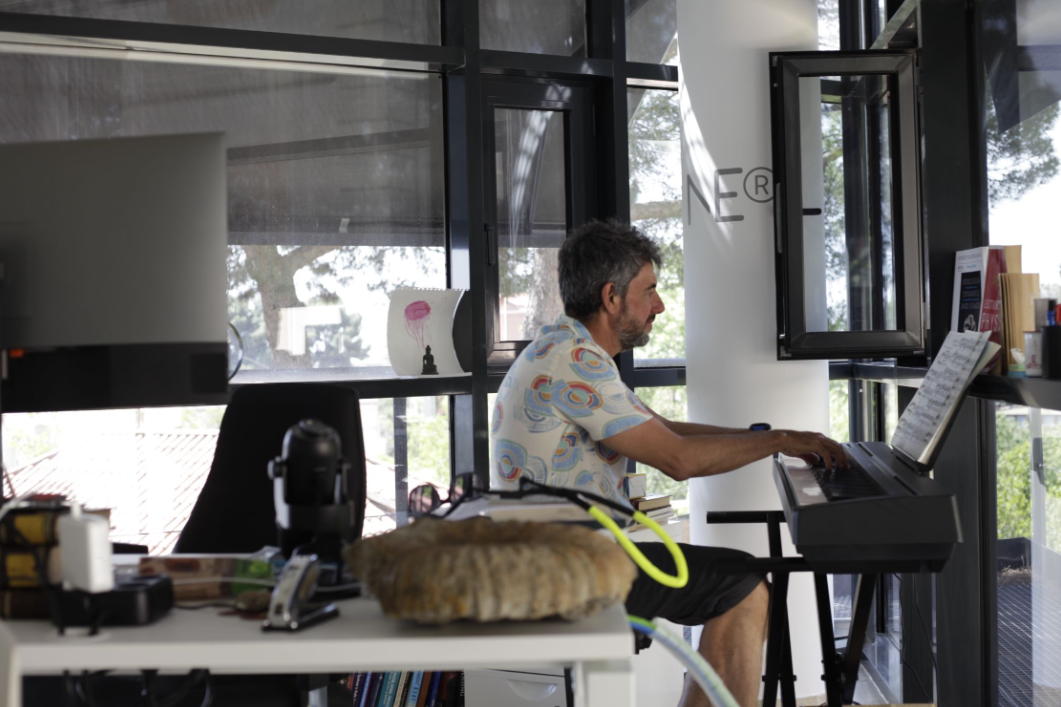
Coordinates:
234 512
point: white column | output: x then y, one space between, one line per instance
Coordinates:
734 377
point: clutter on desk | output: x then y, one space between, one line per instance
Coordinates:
314 499
436 572
293 606
29 550
211 577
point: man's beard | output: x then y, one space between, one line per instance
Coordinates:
632 332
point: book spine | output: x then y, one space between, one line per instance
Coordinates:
372 696
432 695
414 689
990 319
357 690
403 689
386 693
425 687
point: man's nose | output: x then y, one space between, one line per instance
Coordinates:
659 308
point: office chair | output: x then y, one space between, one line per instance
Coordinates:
235 511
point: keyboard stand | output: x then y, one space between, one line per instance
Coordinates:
840 666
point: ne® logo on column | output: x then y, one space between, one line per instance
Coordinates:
758 187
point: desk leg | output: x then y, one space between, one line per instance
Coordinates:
605 683
10 670
313 690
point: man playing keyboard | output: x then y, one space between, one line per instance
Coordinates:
564 417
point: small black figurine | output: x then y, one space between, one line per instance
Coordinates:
429 364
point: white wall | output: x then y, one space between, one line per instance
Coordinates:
734 377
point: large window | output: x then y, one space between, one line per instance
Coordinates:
330 209
351 173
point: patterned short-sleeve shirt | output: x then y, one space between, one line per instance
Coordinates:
560 398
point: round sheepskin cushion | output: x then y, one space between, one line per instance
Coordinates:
437 571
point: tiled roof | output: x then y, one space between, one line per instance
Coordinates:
151 480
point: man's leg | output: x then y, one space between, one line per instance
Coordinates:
733 644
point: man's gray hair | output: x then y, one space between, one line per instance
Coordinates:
599 253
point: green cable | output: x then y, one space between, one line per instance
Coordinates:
676 581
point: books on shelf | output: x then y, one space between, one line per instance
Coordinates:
415 688
1019 291
977 293
635 485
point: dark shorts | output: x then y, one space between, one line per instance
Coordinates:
707 595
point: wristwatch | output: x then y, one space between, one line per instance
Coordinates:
760 427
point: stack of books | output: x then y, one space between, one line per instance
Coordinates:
407 689
656 506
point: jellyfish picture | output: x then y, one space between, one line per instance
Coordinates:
416 316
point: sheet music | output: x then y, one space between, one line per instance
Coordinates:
952 370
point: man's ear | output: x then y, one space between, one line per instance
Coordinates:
610 299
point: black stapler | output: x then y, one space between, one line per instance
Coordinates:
292 607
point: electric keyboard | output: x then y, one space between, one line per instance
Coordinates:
881 515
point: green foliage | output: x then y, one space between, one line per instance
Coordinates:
1014 480
428 437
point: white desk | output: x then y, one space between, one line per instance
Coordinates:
600 648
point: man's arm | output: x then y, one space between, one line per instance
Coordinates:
690 429
686 457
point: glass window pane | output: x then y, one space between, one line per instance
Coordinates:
536 26
829 25
1024 185
416 21
1029 550
652 31
330 208
656 209
839 411
672 403
406 445
531 218
857 253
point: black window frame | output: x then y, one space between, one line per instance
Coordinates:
795 341
579 157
